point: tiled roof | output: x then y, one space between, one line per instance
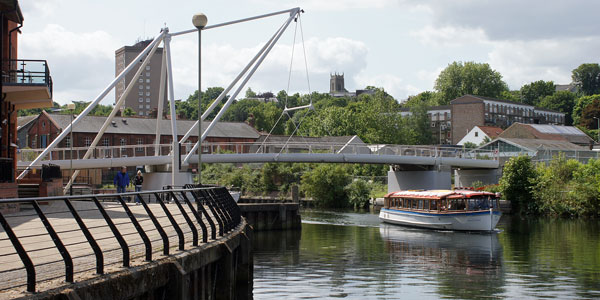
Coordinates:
129 125
491 131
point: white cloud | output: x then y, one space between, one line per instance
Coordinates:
392 84
449 36
333 5
81 64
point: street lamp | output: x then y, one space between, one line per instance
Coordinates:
199 20
598 128
71 107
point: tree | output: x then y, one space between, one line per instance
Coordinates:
562 101
589 113
326 185
587 77
473 78
516 184
428 98
534 92
128 112
250 93
265 115
580 104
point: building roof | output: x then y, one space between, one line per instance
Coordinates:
24 120
132 125
340 140
537 144
547 132
491 131
571 87
475 99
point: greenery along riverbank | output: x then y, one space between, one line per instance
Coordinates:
562 187
330 185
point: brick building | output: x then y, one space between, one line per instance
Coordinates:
128 132
25 84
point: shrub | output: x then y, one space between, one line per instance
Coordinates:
516 183
358 193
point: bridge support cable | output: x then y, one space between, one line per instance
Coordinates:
242 84
93 104
161 101
118 104
287 110
214 104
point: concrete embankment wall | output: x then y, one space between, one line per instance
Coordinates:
272 216
221 269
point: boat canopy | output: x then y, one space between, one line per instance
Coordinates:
439 194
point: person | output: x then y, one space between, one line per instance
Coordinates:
121 180
137 182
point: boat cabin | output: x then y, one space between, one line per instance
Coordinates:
442 201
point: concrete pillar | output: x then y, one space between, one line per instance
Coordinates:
437 178
465 178
295 196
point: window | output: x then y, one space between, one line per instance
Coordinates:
33 143
432 124
140 99
123 142
141 93
147 80
148 93
476 134
67 141
148 100
140 113
147 68
87 141
141 80
141 87
148 74
105 142
147 87
147 106
140 141
141 106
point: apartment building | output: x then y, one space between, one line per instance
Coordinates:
143 98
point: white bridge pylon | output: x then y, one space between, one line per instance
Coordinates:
166 74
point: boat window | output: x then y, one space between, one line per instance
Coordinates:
434 204
414 204
420 203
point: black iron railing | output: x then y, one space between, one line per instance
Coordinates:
89 231
28 72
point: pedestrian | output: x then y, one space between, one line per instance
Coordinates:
137 182
121 180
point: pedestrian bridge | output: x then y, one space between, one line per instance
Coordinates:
140 155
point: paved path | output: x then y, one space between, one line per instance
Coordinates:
50 268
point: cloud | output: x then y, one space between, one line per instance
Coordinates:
392 84
449 36
221 63
332 5
81 64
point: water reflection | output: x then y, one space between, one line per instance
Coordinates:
465 265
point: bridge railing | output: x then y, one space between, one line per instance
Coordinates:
84 233
27 155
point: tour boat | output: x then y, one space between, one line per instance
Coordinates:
442 209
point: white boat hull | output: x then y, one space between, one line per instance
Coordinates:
467 221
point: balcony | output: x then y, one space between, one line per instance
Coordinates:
27 83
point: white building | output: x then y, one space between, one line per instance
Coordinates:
479 134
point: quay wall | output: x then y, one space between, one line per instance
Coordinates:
272 216
221 269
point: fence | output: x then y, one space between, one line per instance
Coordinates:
86 233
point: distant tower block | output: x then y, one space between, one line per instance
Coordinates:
337 84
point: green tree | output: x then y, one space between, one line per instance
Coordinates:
326 185
534 92
516 183
587 77
250 93
359 192
127 112
562 101
426 98
580 104
473 78
265 117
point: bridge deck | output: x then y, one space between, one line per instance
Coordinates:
50 268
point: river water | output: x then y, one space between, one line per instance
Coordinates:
354 256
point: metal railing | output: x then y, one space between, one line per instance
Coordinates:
27 155
28 72
87 230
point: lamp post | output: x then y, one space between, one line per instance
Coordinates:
71 107
598 128
199 20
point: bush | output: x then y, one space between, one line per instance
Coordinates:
358 193
326 184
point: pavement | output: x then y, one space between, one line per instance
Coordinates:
49 265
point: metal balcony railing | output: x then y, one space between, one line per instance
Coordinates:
28 72
75 235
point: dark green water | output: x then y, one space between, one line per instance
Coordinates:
354 256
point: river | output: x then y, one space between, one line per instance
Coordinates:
354 256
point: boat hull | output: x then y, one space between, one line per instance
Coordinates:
467 221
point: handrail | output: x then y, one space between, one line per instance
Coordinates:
222 209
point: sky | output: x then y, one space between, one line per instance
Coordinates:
399 45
